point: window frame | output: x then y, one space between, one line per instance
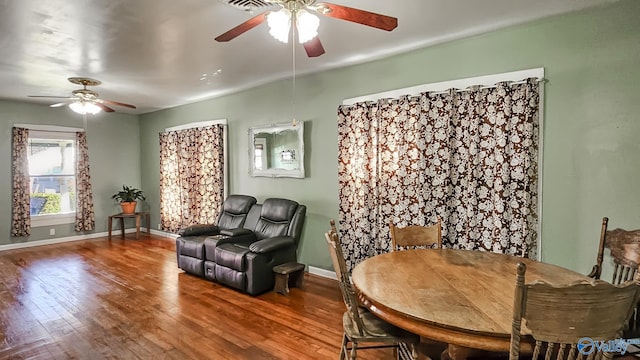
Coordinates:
53 219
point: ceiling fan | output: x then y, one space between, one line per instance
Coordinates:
83 100
299 13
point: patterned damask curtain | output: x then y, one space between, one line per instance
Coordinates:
21 201
191 177
85 217
469 157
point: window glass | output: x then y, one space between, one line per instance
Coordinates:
52 175
258 156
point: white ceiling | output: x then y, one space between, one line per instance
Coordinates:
154 53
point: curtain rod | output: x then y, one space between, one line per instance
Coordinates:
461 83
197 125
543 80
50 128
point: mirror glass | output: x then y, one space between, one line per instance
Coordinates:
277 150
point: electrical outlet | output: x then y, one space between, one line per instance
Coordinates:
52 231
159 226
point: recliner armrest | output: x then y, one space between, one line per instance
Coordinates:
235 232
271 244
199 229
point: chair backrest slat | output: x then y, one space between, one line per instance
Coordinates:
414 235
558 315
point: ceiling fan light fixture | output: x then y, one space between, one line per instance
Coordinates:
84 107
307 25
279 24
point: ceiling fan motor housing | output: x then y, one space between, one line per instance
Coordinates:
85 94
247 4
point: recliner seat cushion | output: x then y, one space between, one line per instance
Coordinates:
232 256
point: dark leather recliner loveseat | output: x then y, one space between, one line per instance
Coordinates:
247 242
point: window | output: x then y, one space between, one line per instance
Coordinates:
260 159
52 166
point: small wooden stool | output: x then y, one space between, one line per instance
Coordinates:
290 272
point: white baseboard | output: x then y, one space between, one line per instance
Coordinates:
51 241
65 239
165 234
322 272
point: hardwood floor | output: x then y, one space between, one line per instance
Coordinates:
126 299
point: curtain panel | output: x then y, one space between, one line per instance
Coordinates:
470 157
191 177
21 197
85 217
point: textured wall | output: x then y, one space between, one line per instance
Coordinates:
591 123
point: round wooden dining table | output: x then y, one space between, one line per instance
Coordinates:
459 297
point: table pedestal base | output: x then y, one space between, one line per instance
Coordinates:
455 352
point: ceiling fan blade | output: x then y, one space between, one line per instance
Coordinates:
104 107
61 104
357 16
50 97
313 47
111 102
244 27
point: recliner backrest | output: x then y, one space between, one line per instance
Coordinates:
276 218
295 228
234 211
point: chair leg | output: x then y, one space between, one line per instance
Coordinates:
354 345
343 347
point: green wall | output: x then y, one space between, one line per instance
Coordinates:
114 155
591 124
591 127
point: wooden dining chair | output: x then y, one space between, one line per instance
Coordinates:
414 235
565 320
360 325
624 247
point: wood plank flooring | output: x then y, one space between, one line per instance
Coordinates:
127 299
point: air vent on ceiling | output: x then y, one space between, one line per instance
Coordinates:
247 4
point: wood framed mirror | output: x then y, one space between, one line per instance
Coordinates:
277 150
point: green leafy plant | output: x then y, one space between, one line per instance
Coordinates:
128 194
51 204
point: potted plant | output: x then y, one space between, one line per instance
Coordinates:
128 198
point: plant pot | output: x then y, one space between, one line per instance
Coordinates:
128 207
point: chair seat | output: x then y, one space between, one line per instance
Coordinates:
232 256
